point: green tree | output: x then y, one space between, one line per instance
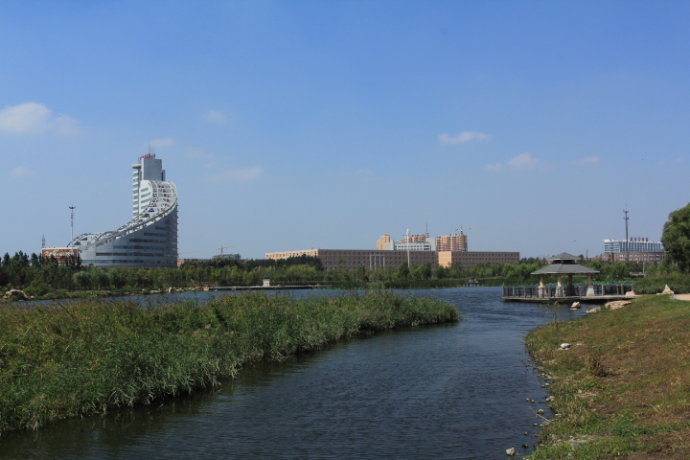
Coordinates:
403 273
676 238
422 272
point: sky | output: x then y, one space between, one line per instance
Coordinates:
298 124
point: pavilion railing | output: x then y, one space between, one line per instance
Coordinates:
579 290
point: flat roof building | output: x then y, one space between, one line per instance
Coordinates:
61 255
633 250
332 259
471 258
370 259
418 242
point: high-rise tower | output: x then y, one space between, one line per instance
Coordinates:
148 169
457 242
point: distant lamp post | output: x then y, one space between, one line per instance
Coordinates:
71 220
408 248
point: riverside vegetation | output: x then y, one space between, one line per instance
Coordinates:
94 356
623 388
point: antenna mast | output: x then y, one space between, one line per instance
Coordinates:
626 218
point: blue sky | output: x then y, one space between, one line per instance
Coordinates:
311 124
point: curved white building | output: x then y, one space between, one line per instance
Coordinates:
150 238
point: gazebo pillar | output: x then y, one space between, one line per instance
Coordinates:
559 287
590 287
571 288
541 291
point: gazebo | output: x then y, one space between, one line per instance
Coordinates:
564 264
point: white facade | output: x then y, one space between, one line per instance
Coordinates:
632 245
428 245
148 170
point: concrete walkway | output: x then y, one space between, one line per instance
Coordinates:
685 297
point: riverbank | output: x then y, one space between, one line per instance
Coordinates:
622 387
91 357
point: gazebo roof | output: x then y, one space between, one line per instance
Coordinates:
564 264
563 258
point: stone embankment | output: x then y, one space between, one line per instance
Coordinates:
16 294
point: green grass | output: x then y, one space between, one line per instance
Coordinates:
623 389
93 356
652 284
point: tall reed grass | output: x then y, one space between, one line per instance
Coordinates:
91 357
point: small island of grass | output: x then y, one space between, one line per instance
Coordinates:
94 356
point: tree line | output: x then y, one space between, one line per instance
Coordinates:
40 277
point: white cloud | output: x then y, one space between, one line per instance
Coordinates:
216 116
240 175
521 162
461 138
20 171
162 142
32 117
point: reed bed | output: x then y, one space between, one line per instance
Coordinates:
91 357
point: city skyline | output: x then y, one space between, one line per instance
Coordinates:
300 125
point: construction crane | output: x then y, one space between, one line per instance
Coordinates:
223 247
462 229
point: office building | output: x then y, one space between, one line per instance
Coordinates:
408 243
470 258
377 259
633 250
62 256
150 238
369 259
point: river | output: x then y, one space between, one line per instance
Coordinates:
446 392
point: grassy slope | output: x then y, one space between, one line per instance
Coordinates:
88 358
623 389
